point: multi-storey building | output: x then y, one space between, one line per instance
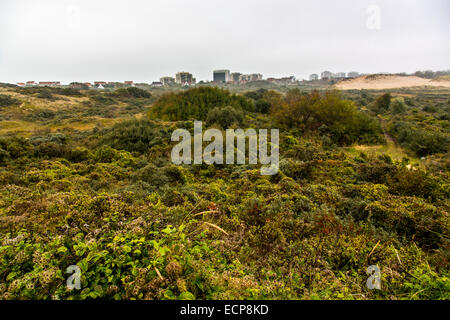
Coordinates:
167 80
282 81
339 75
221 75
184 78
235 76
326 75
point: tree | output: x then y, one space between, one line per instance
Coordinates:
196 103
398 105
382 103
225 117
326 113
262 106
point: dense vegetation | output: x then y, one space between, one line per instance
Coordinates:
326 112
96 188
6 101
195 103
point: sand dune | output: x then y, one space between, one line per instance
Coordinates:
383 81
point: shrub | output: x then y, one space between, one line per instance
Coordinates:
132 92
16 147
262 106
382 103
58 138
416 183
152 175
49 150
398 105
70 91
297 170
408 218
79 154
194 104
45 94
327 113
258 96
135 135
375 172
6 101
41 115
224 117
422 142
4 155
102 99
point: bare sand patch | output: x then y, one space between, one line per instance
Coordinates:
384 81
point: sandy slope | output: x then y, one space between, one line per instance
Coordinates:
388 82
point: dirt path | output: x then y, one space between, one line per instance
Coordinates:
390 139
391 148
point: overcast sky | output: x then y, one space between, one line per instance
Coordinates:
87 40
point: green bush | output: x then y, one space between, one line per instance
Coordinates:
422 142
45 94
382 103
224 117
79 154
16 147
327 113
398 105
6 101
132 92
135 135
415 182
194 104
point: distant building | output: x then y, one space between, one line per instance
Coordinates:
256 76
167 81
235 76
352 74
184 78
77 85
31 84
49 83
98 83
282 81
338 75
87 84
244 78
313 77
21 84
114 84
221 75
326 75
129 83
156 84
